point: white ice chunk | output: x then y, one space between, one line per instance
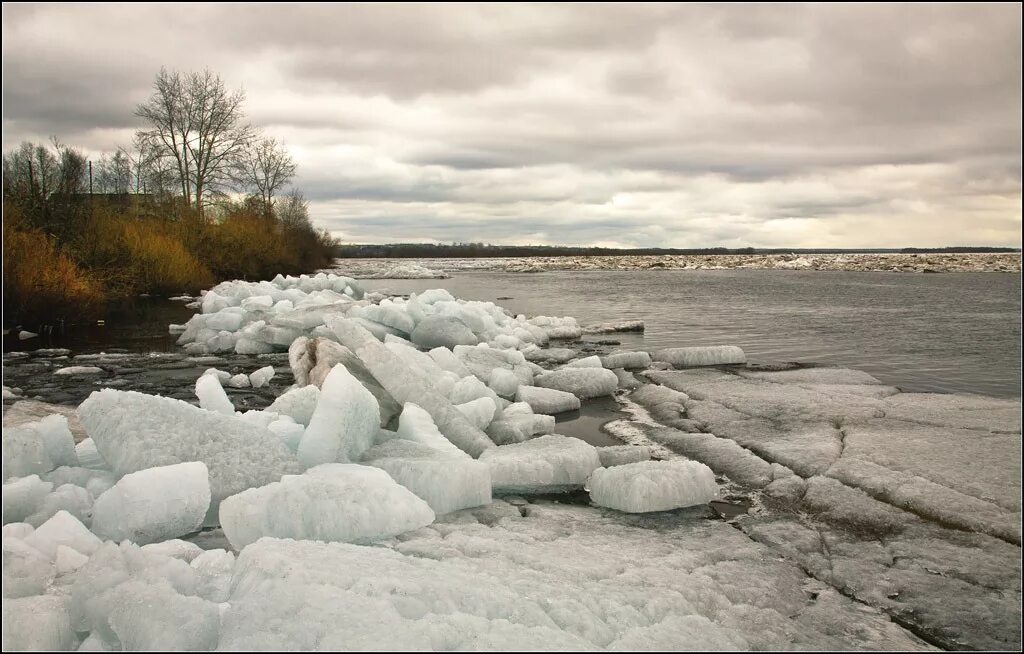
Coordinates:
344 422
213 569
617 455
174 548
78 370
447 360
480 411
503 382
653 486
416 425
586 362
67 497
582 382
331 502
442 331
69 560
626 360
712 355
62 529
26 570
40 623
407 385
147 617
444 482
545 464
154 504
241 380
60 444
17 529
547 400
212 396
24 452
298 403
89 456
135 431
261 376
22 497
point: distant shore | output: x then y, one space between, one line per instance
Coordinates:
862 262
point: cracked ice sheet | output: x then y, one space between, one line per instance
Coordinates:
971 462
961 589
666 581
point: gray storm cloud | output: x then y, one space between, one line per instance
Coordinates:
633 125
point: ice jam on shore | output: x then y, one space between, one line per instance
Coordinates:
411 492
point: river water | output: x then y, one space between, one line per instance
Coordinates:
956 332
928 333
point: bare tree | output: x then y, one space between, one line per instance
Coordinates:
265 167
197 125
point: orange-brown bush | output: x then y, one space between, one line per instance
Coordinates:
127 248
42 283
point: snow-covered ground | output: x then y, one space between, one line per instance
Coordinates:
399 496
983 262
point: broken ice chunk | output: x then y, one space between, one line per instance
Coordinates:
154 504
62 529
331 502
712 355
582 382
547 400
261 376
212 396
134 431
545 464
445 483
653 486
344 423
416 425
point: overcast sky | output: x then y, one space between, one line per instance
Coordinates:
666 125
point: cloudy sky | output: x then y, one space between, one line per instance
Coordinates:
666 125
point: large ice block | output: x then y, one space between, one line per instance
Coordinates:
407 385
332 502
444 482
653 486
154 504
344 423
545 464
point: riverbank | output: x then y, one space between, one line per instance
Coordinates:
855 538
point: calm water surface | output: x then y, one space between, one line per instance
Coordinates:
938 333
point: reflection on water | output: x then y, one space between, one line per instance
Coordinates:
939 333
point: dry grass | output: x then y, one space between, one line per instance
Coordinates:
43 283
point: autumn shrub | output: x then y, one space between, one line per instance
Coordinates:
139 255
42 283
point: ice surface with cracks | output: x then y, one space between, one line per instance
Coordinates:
653 486
331 502
506 583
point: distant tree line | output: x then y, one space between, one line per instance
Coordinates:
477 250
199 195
